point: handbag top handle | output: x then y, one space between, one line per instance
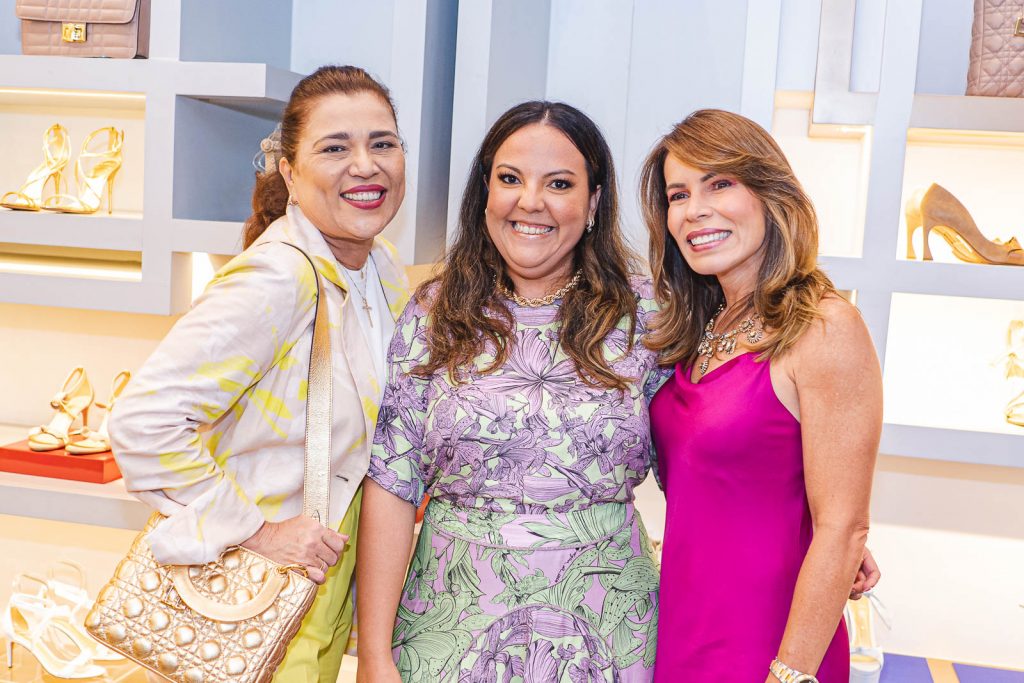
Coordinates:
319 396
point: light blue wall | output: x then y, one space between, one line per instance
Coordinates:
342 32
636 66
10 29
944 50
235 31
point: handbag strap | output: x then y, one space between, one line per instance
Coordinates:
319 397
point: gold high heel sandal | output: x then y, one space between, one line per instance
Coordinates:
1014 360
937 209
56 152
73 399
99 441
94 169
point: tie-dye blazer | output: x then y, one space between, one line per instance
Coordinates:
210 431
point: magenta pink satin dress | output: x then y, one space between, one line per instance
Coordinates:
737 526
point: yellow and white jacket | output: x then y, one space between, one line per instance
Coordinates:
237 364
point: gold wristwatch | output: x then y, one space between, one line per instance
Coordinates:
787 674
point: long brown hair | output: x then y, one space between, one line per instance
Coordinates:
466 311
789 282
270 196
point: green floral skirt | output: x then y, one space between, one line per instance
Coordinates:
540 597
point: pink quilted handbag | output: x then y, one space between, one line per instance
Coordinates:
84 28
997 49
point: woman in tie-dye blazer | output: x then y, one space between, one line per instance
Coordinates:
210 432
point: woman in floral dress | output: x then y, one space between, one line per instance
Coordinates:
517 398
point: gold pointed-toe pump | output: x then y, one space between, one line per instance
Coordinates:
97 166
56 152
71 402
937 209
99 441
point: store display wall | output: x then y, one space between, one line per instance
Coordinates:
946 533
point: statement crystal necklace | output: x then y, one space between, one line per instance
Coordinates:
726 341
542 301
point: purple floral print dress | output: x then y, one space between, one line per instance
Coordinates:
532 563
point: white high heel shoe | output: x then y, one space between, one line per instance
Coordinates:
76 600
43 628
866 658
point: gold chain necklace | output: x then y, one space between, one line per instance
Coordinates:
542 301
726 341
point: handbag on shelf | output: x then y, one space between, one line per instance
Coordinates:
997 49
84 28
231 619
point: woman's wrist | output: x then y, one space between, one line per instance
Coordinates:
787 674
375 659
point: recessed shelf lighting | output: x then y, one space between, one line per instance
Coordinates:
105 94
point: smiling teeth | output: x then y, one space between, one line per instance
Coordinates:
363 196
705 239
531 229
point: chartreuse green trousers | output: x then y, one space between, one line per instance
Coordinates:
314 655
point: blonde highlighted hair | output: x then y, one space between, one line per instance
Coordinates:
789 283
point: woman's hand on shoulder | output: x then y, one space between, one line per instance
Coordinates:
299 540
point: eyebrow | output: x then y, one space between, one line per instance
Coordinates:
703 179
561 171
341 135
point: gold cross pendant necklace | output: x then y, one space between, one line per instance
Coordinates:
362 292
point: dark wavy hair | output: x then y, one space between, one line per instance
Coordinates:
270 196
789 283
466 311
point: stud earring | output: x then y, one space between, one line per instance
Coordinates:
590 225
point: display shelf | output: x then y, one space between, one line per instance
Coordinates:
972 280
120 231
938 326
215 112
86 289
957 445
119 81
209 237
107 505
845 272
967 113
71 501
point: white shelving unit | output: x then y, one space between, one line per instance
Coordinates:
215 84
898 117
186 105
108 505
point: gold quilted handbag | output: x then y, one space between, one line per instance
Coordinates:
232 619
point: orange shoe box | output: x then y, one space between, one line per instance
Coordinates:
98 468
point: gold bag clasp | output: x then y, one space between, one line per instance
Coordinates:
1018 28
72 33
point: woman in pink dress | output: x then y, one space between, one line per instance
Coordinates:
767 433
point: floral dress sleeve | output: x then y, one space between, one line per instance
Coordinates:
656 375
398 461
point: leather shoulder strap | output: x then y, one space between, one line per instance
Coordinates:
319 399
